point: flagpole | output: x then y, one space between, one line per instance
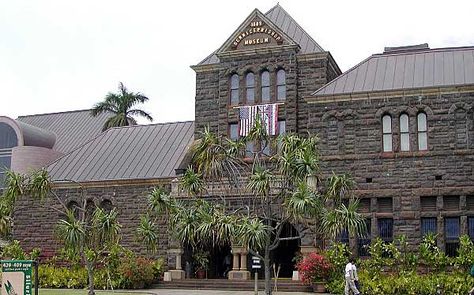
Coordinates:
277 103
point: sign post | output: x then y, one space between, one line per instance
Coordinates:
256 266
16 277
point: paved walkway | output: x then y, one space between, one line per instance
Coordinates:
216 292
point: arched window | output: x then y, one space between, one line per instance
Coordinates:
107 205
404 133
422 132
265 78
387 133
8 137
250 87
234 89
281 85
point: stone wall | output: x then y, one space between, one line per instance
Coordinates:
35 221
304 75
351 141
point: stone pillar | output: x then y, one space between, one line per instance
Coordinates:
243 261
239 273
235 264
178 273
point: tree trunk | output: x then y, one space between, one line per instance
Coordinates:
90 273
268 273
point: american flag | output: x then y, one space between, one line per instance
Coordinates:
268 114
247 119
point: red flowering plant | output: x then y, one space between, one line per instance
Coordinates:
313 268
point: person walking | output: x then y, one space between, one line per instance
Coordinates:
351 277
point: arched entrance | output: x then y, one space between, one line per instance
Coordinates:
219 260
284 255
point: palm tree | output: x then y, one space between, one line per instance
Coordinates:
121 106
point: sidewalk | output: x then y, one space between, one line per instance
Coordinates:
216 292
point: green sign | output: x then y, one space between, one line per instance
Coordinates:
16 277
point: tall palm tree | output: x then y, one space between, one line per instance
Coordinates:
121 106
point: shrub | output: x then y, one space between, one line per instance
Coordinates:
136 272
313 268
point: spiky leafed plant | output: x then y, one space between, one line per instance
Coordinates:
122 107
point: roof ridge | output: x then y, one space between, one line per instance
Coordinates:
54 113
153 124
440 49
296 23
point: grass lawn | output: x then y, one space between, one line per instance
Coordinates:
83 292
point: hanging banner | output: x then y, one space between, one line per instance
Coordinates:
16 277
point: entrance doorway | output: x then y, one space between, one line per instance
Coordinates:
284 255
220 262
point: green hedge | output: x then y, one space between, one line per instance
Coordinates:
132 273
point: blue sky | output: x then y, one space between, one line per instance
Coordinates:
61 55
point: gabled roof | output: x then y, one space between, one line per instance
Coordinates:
405 69
281 19
133 152
72 129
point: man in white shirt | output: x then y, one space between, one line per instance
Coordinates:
351 277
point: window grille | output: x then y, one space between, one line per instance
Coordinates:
429 225
451 203
470 203
384 205
451 234
470 225
385 227
364 205
428 203
364 242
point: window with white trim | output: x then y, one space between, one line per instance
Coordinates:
387 133
404 133
422 129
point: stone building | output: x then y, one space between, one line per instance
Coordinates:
400 122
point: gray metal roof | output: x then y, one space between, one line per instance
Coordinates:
280 18
404 70
133 152
72 129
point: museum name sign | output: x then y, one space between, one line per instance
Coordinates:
256 27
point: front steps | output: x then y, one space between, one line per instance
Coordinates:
284 285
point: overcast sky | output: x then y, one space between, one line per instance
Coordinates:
62 55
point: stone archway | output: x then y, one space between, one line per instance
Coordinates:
284 255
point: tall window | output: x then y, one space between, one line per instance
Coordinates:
385 227
363 243
470 225
234 89
422 132
387 133
281 85
250 87
234 131
404 133
265 78
428 225
451 232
